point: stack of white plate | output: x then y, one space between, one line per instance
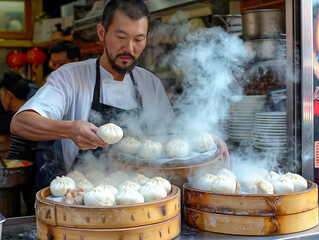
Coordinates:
242 113
270 131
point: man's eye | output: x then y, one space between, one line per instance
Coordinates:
120 37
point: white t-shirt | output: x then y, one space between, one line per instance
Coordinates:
68 95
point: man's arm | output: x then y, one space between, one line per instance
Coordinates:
30 125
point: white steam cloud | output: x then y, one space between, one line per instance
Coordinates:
211 61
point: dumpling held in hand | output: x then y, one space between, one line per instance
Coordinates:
110 133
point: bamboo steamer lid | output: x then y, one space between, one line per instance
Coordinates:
252 204
96 217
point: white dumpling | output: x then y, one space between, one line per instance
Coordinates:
272 176
60 185
94 176
205 182
227 173
152 191
250 179
129 184
129 145
117 177
162 182
283 185
110 188
110 133
176 149
128 196
150 149
86 185
99 197
265 187
140 179
76 176
204 142
224 184
300 184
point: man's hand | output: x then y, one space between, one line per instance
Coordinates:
83 134
223 149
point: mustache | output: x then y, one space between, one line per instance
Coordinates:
125 55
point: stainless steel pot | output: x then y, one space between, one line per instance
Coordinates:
14 176
10 180
267 49
263 23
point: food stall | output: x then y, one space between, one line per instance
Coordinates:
195 218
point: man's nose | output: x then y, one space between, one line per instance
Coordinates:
129 46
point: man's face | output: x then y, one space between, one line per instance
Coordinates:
58 59
124 41
4 99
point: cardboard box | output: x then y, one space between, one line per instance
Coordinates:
42 30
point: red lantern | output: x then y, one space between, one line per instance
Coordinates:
16 60
36 56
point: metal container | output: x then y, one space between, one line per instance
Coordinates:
263 23
267 49
10 180
2 219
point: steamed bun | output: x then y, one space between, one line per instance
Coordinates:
300 184
205 182
109 188
150 149
60 185
129 145
204 142
177 149
162 182
224 184
99 197
140 179
129 184
94 176
129 196
85 185
283 185
110 133
152 191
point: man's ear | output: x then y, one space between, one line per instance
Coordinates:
100 32
9 94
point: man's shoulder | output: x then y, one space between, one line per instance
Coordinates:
144 73
79 65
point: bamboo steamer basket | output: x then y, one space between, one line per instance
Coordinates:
177 173
159 219
252 214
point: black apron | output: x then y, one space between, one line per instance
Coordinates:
101 114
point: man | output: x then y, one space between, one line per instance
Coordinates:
14 92
111 85
61 53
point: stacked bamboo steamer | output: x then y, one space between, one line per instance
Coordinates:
252 214
159 219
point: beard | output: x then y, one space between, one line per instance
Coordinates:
118 68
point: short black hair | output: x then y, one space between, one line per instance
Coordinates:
134 9
72 50
16 84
